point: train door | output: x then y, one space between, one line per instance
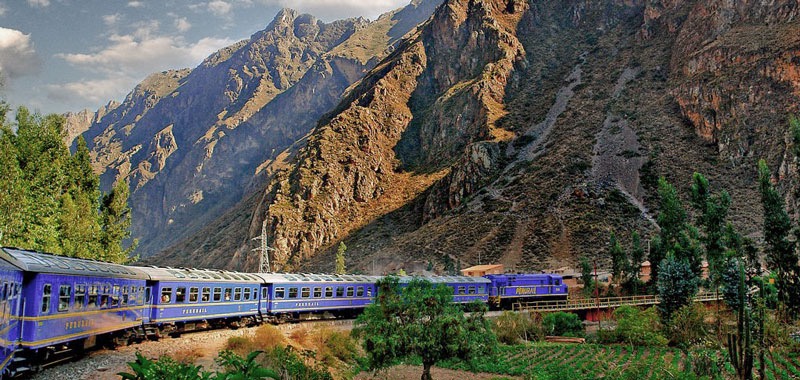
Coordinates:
147 304
263 304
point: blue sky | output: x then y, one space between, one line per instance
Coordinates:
67 55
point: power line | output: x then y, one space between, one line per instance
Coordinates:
263 258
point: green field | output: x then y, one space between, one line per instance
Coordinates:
588 361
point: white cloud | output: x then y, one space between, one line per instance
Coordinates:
135 4
182 24
219 7
338 9
39 3
127 59
17 55
111 20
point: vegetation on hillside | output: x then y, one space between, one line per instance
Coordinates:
50 199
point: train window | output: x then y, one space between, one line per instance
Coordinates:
217 294
237 294
328 292
255 293
247 294
462 290
4 296
115 296
317 292
64 293
166 295
80 296
280 293
103 301
206 295
339 291
305 292
349 291
369 291
93 296
292 292
228 292
471 290
264 293
46 298
124 296
193 294
180 294
143 295
360 291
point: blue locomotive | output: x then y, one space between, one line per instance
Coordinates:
53 307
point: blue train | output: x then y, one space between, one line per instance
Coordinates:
55 307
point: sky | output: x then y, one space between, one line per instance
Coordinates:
69 55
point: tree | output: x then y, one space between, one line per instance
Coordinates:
116 217
677 286
618 259
635 261
586 276
713 209
420 320
12 187
676 236
779 251
340 267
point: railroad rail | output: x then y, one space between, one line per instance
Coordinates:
602 303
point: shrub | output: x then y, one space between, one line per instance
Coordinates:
639 327
268 336
563 324
688 326
241 345
341 346
188 355
163 368
290 365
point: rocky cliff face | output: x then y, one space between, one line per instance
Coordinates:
190 142
524 132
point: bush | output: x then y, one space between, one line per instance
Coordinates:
563 324
512 328
268 337
688 326
290 365
241 345
637 327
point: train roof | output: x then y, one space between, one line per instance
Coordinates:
200 275
310 277
30 261
446 279
524 275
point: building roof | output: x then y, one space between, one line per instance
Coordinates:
482 268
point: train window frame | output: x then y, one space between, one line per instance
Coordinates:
166 295
328 292
205 294
194 294
360 291
237 294
293 293
144 295
369 291
471 289
115 296
339 291
305 292
80 296
92 297
264 293
350 291
4 296
317 292
124 299
461 290
228 294
180 294
64 297
280 293
217 294
247 292
47 290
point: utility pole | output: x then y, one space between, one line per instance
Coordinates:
263 258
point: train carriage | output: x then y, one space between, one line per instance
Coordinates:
194 299
308 296
10 303
68 304
508 288
465 289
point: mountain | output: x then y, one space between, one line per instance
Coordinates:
525 132
192 143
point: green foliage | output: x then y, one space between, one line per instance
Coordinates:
780 253
49 198
586 276
513 328
677 286
116 217
676 236
290 365
340 265
238 368
637 327
618 258
687 327
713 210
563 324
164 368
420 320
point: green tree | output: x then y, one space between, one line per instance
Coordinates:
618 258
586 276
340 266
676 235
713 212
13 200
677 286
635 262
420 320
116 222
779 252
